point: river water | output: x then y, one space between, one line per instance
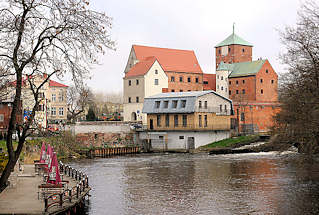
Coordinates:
261 183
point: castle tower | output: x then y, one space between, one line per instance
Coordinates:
233 50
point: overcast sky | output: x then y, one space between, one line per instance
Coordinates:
192 25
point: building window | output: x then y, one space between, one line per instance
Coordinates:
129 82
266 70
217 76
243 81
229 92
172 79
183 103
221 77
174 104
205 104
158 120
1 117
61 111
229 82
176 120
222 88
225 109
184 120
181 79
167 120
199 120
229 49
243 91
217 87
180 90
205 82
137 82
236 91
53 97
165 104
242 117
156 82
220 108
61 97
189 79
196 80
41 95
272 81
137 99
129 100
53 111
181 137
243 50
205 120
173 90
236 82
261 80
200 104
156 72
157 104
219 51
262 91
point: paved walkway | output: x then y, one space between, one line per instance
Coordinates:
22 196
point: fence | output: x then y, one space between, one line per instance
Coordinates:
67 196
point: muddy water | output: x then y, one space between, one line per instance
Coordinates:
263 183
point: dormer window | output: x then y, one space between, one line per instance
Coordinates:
174 104
157 104
165 104
200 104
183 103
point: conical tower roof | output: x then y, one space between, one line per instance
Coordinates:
233 39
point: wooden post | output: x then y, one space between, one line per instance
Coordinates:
77 191
70 195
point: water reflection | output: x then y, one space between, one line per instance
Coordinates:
202 184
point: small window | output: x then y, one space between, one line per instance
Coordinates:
156 82
243 50
262 91
272 81
53 111
205 104
217 76
229 82
261 80
165 104
242 117
158 120
217 87
199 120
219 51
157 104
137 99
225 109
180 90
167 120
156 72
221 108
174 104
137 81
181 79
243 91
229 92
236 91
266 70
222 88
129 82
243 81
53 97
172 90
189 79
183 103
184 120
181 137
129 100
229 49
200 104
176 120
221 77
205 82
205 120
196 80
61 111
172 79
236 82
1 117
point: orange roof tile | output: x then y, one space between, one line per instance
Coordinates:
172 60
141 68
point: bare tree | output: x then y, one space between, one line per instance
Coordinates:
52 37
78 99
298 121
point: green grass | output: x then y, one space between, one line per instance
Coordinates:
3 145
233 141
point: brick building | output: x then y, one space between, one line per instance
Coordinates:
152 70
252 85
5 114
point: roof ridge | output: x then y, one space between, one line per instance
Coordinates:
189 50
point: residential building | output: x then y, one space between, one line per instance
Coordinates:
181 69
251 85
186 120
5 115
56 102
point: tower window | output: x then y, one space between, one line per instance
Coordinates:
172 79
229 49
221 78
243 81
266 70
262 91
219 51
229 82
236 91
229 92
272 81
236 82
189 79
243 91
196 80
181 79
261 80
243 50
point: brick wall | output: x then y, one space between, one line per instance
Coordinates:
235 55
211 82
176 85
5 112
237 85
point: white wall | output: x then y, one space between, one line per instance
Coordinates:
134 107
149 80
100 127
222 87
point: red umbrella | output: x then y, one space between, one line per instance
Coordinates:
43 153
54 173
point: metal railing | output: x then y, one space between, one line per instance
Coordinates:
59 198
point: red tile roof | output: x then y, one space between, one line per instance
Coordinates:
141 68
172 60
56 84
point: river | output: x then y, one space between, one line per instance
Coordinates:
261 183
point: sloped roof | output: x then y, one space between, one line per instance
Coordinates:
233 39
171 59
56 84
141 68
242 69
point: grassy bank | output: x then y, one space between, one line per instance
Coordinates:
231 142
